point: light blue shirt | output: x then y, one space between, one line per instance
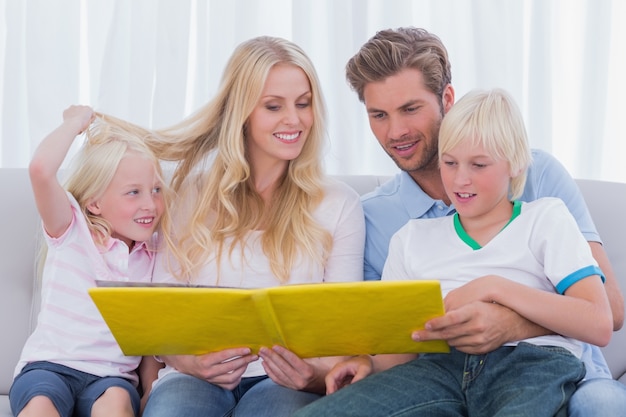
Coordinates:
394 203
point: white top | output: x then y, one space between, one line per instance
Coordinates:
340 213
70 330
543 241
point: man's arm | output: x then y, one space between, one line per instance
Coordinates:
611 286
479 327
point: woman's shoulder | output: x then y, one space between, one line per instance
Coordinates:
334 188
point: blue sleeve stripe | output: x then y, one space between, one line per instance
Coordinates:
574 277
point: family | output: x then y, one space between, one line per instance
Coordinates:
528 288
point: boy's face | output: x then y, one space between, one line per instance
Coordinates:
405 117
476 183
132 203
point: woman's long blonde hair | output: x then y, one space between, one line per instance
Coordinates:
227 205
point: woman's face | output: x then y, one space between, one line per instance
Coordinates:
281 121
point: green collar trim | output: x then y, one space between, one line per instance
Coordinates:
458 227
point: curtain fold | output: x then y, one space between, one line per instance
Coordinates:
153 62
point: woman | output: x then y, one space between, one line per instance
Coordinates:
254 209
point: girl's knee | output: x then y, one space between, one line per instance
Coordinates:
38 406
115 401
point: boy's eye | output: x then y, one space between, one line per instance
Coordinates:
377 115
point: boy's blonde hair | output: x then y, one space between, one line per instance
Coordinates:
492 119
227 204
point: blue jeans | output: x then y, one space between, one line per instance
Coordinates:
525 380
72 392
184 395
598 397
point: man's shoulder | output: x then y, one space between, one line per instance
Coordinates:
386 193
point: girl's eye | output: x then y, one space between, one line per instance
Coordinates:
133 192
303 105
156 190
272 107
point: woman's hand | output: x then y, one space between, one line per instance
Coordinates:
287 369
223 368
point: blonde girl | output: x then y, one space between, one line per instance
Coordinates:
100 226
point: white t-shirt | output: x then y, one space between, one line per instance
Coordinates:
340 212
541 248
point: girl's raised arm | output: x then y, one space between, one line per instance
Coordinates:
50 197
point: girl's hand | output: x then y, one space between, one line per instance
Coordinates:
81 116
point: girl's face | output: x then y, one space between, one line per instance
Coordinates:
132 203
281 121
476 183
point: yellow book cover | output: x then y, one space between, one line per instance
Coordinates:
330 319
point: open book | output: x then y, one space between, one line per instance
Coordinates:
330 319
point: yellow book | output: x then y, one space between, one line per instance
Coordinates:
330 319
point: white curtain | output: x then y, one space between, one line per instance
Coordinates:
154 61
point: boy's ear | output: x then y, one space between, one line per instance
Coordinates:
94 208
516 173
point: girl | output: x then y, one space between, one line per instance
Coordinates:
100 227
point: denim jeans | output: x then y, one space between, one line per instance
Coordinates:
598 397
526 380
184 395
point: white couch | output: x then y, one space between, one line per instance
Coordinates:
19 225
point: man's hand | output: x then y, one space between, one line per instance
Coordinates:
479 327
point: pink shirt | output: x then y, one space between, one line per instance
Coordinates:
70 330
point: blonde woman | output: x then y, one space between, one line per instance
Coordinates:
254 209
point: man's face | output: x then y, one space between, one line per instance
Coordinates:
405 117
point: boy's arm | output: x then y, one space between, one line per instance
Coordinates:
50 197
583 312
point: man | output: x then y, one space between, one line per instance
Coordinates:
403 77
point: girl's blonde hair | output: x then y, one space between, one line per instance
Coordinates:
108 140
491 119
227 205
